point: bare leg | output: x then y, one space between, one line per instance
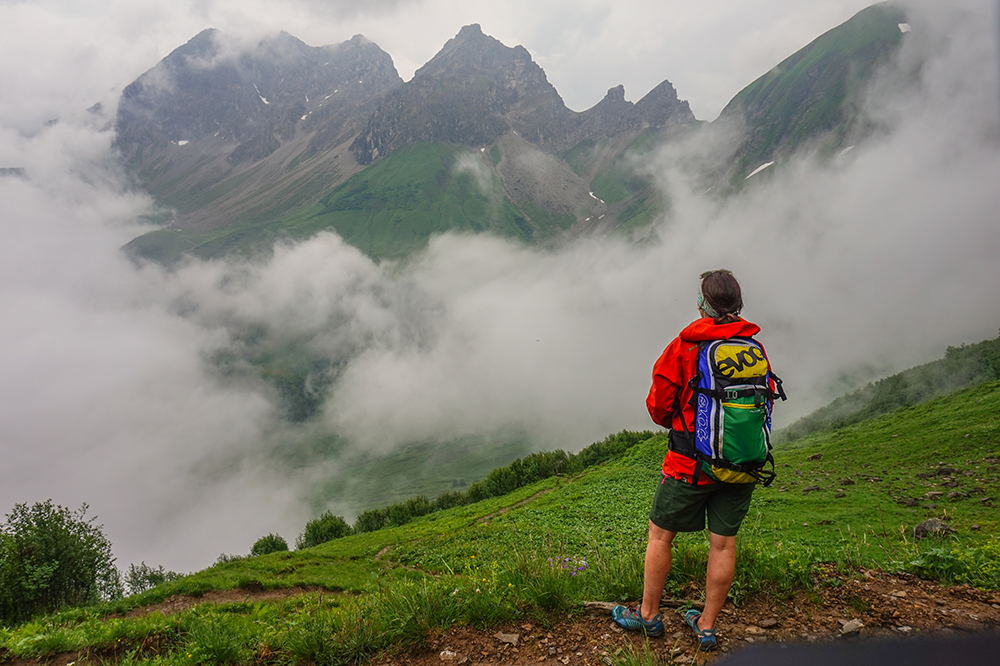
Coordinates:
719 578
656 569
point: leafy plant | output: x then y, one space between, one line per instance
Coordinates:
271 543
970 565
52 557
144 577
320 530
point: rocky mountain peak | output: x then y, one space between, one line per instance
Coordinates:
473 91
616 94
661 106
215 95
614 114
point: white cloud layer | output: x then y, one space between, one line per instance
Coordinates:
106 397
57 55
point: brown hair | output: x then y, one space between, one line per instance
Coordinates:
722 291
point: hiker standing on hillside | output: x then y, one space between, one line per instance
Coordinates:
713 389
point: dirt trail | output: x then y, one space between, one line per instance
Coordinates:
874 605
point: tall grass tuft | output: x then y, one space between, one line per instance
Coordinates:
313 638
615 575
632 655
218 640
551 583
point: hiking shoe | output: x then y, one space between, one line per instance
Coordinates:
631 619
706 637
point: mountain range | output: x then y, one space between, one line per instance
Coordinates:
243 147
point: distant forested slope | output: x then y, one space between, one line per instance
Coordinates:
961 367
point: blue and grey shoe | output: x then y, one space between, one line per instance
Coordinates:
706 637
631 619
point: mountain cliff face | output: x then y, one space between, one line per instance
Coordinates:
471 93
613 115
210 110
251 100
476 90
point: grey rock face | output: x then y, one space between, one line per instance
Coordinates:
475 90
250 100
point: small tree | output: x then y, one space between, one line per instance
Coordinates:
52 557
320 530
272 543
144 577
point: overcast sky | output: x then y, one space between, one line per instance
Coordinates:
854 270
59 54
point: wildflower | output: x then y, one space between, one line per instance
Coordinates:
477 589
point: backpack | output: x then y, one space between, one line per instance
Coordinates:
732 399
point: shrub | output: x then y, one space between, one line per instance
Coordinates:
320 530
371 520
449 499
144 577
50 558
613 446
272 543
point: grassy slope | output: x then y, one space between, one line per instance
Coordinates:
962 366
391 586
429 469
812 91
632 197
388 210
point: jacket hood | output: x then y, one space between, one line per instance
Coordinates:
706 329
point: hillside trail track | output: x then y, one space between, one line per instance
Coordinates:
885 605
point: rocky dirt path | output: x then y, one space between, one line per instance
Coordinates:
872 605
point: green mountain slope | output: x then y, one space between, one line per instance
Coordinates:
390 209
962 366
393 207
813 95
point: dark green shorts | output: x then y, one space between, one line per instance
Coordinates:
681 507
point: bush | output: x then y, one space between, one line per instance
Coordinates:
320 530
144 577
371 520
50 558
272 543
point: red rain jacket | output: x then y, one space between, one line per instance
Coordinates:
670 390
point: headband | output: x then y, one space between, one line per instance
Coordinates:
703 304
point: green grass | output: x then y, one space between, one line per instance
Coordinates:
549 546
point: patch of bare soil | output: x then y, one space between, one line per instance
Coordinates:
873 605
179 602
